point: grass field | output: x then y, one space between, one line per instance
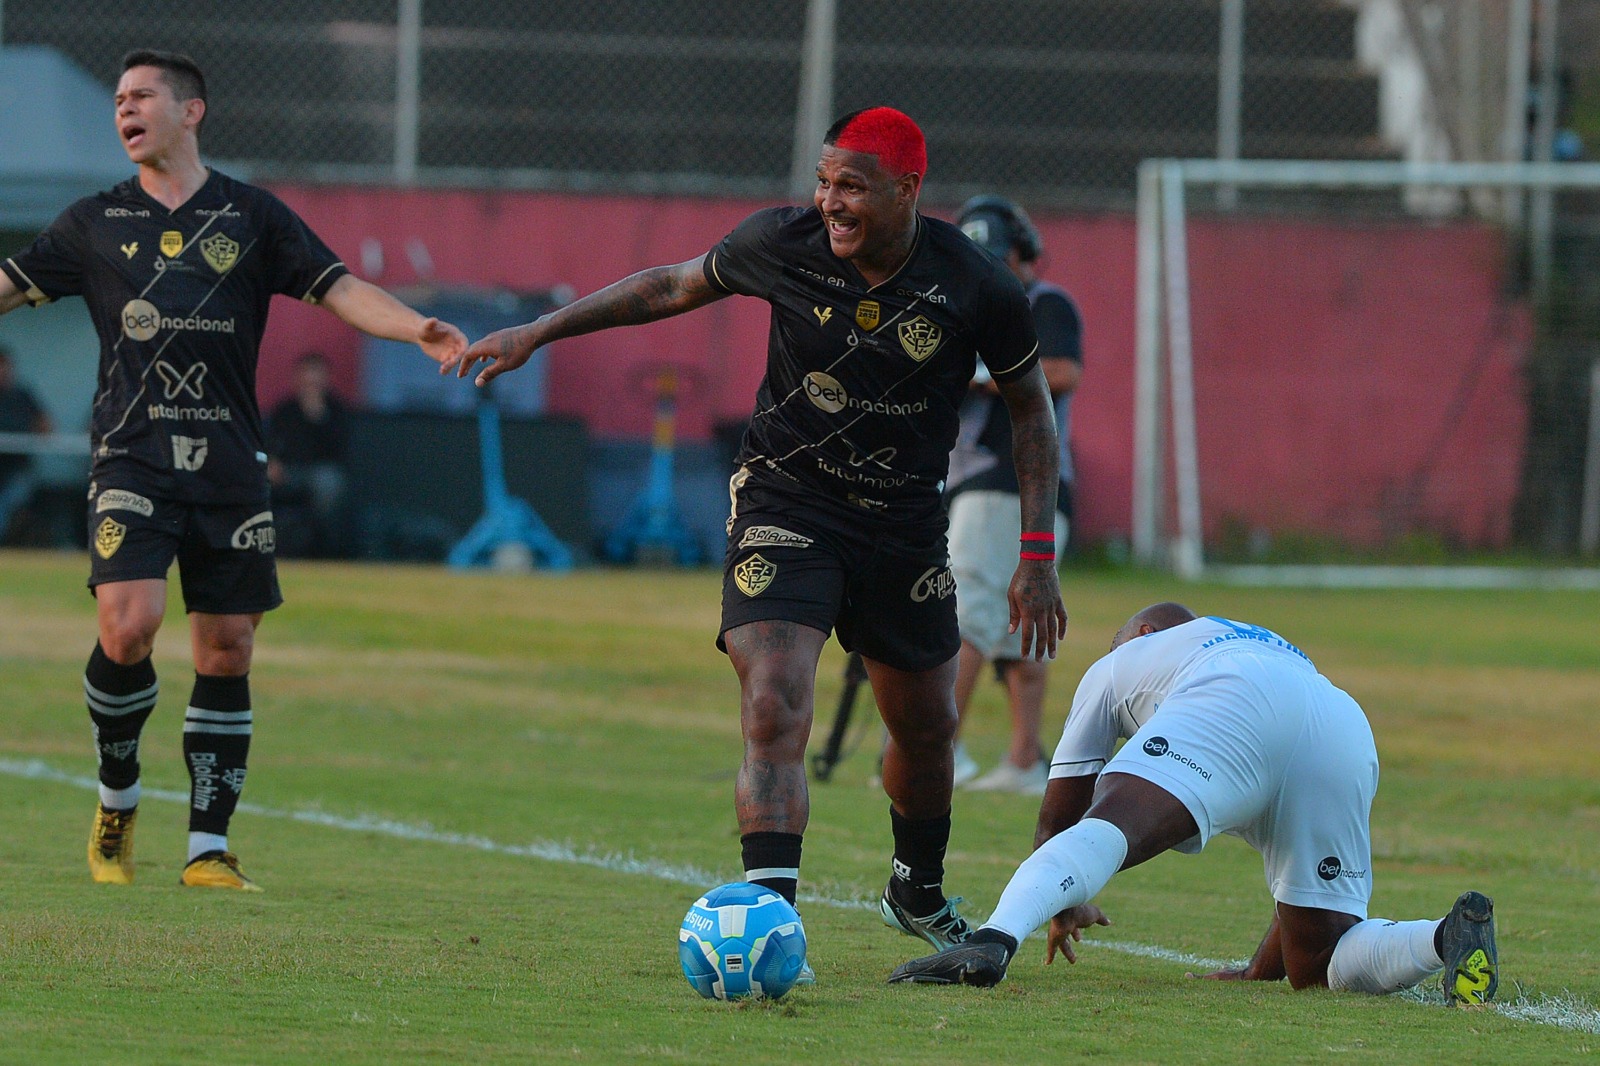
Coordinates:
481 804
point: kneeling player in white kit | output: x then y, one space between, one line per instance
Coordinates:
1234 731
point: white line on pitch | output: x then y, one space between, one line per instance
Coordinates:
1564 1011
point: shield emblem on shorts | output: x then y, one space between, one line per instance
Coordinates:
220 251
171 243
754 575
920 338
108 537
868 313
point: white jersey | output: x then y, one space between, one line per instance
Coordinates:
1121 691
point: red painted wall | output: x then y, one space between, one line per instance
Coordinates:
1309 377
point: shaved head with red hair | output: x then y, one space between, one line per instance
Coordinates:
890 135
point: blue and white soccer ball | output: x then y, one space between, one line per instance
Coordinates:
742 940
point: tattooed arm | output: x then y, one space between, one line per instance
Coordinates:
1035 595
659 292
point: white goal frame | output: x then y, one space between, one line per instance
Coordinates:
1163 328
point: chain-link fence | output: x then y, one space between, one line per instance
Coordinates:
1054 101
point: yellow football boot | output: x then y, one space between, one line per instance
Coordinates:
111 846
217 869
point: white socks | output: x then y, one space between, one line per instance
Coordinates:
1071 868
200 843
119 799
1380 956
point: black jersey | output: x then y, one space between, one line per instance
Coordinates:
983 458
864 382
179 300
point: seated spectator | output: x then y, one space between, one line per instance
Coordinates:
308 442
19 413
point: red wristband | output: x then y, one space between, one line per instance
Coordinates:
1039 547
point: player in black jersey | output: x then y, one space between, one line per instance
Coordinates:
878 318
178 265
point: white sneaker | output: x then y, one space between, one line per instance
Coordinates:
1008 778
966 766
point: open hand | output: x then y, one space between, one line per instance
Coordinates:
441 342
503 350
1068 926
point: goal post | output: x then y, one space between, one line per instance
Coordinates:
1169 526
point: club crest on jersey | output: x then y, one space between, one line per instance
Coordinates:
220 251
920 338
754 575
171 243
868 313
108 537
823 314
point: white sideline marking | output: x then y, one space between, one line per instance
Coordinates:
1407 577
1564 1011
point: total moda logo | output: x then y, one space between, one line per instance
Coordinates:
1158 748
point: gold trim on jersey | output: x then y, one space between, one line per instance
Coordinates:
1019 362
310 299
33 294
916 242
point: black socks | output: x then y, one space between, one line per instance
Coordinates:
120 698
772 860
216 745
919 847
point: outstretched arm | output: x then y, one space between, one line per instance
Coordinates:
647 296
1035 594
10 296
374 311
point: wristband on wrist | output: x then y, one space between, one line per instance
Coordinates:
1039 547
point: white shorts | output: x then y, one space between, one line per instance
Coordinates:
1261 748
985 531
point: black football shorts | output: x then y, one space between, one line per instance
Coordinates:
224 552
884 590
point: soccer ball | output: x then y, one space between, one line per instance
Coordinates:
741 940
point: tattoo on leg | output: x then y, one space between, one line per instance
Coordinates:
771 797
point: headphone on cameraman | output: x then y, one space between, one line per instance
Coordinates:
1019 230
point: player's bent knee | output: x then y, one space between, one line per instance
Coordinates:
126 645
776 719
129 636
224 644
